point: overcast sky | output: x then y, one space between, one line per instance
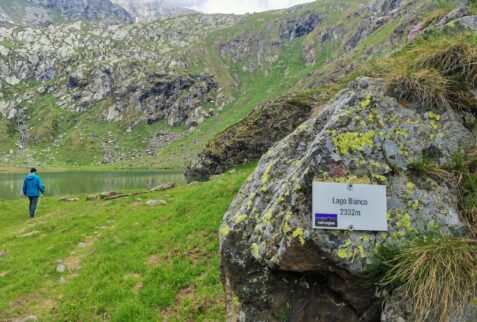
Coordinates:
237 6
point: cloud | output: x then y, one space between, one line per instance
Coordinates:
237 6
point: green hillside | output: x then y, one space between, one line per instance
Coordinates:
80 114
125 261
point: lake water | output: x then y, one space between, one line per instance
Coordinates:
88 182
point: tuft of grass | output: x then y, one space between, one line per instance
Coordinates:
463 170
426 87
446 56
435 72
428 165
437 273
435 16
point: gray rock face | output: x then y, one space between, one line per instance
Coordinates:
173 97
249 139
397 308
136 69
275 266
151 9
467 22
255 50
103 10
298 27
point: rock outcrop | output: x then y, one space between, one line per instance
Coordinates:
249 139
275 267
151 9
103 10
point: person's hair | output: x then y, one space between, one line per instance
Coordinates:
33 170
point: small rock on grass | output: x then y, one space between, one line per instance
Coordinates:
68 199
62 280
82 245
3 253
29 318
60 267
108 194
30 234
153 203
164 186
92 198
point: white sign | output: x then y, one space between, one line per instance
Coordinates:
349 206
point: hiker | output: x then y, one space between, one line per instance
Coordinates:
32 186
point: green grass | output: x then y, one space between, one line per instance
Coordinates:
150 263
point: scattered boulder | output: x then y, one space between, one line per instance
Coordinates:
274 265
82 245
164 186
62 280
69 199
249 139
468 22
108 194
154 203
3 253
92 198
60 267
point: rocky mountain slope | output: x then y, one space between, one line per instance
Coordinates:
151 9
47 12
83 93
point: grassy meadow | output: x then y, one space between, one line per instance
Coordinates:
123 260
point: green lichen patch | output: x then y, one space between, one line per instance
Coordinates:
350 142
298 233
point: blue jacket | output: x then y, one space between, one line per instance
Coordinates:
32 186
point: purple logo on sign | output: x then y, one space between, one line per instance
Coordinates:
326 220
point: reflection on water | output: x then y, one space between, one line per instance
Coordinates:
64 183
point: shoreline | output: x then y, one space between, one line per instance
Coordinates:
22 169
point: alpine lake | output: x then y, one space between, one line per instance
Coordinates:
88 182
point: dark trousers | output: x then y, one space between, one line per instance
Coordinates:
33 204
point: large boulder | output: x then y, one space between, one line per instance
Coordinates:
249 139
275 267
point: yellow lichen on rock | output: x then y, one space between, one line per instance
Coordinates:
224 231
410 187
255 250
240 218
345 253
266 174
351 179
298 233
354 141
267 217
